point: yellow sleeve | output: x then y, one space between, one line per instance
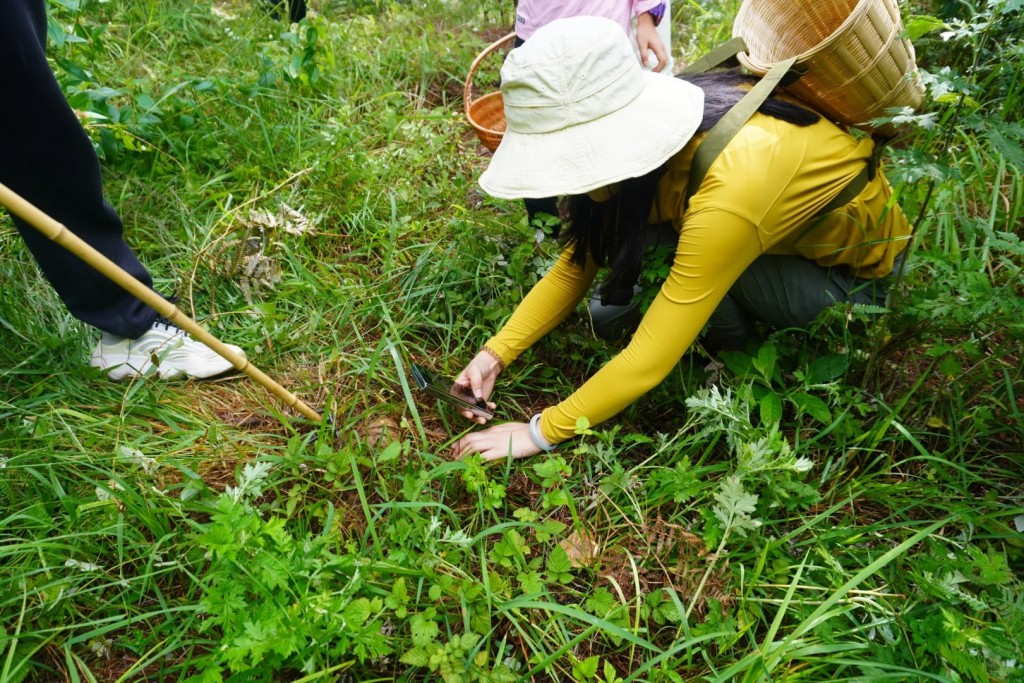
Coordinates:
546 305
714 249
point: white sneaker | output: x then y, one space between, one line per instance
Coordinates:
164 348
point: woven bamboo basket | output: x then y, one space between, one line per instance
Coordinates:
855 64
486 114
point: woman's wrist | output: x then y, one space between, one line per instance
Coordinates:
494 354
537 436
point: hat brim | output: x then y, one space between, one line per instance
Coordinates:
627 143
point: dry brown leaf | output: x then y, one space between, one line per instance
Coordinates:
581 548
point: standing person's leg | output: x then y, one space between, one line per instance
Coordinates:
296 9
784 291
46 157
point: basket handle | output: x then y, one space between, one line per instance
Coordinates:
467 90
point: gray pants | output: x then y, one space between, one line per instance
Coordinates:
781 291
785 291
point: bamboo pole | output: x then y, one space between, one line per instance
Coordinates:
59 233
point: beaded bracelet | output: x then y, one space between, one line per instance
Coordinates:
537 438
494 354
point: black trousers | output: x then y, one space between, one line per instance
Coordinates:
47 158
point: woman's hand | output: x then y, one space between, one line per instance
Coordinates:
647 39
498 442
479 375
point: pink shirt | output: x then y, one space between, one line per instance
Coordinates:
532 14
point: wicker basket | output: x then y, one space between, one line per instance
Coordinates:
486 114
856 65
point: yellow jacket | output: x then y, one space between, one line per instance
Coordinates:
759 196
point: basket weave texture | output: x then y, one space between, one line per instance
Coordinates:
486 114
855 63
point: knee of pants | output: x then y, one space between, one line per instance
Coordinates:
730 327
787 291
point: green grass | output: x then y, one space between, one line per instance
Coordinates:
835 507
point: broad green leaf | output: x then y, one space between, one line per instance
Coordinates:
813 406
991 568
738 362
827 368
586 669
765 361
600 602
950 366
552 470
771 409
417 656
423 630
583 426
956 98
359 610
392 451
526 515
530 582
399 597
558 566
548 528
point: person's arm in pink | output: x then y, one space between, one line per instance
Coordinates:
649 14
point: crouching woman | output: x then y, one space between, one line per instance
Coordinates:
583 121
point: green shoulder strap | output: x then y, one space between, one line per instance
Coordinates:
723 55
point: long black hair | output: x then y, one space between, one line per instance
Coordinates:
613 231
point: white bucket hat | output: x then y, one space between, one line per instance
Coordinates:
582 114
